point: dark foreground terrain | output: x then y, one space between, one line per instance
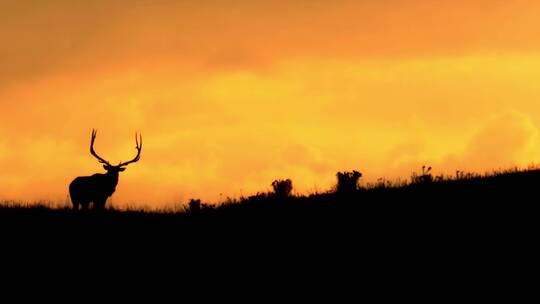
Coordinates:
440 240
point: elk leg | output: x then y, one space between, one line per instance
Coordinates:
100 204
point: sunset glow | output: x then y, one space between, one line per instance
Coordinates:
230 95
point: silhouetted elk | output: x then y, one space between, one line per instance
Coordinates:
282 188
97 188
347 181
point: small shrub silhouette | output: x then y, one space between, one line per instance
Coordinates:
424 178
282 188
347 181
194 205
382 183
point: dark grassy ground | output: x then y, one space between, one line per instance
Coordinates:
445 239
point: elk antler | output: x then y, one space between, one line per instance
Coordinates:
138 142
101 160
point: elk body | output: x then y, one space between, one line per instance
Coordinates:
97 188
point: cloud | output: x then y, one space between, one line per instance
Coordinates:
500 141
39 39
505 140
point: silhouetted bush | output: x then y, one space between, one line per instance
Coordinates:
282 188
425 177
194 205
382 183
347 181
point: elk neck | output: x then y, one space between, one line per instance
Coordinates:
112 176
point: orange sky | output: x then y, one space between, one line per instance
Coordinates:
230 95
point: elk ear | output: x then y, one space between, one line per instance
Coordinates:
121 169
